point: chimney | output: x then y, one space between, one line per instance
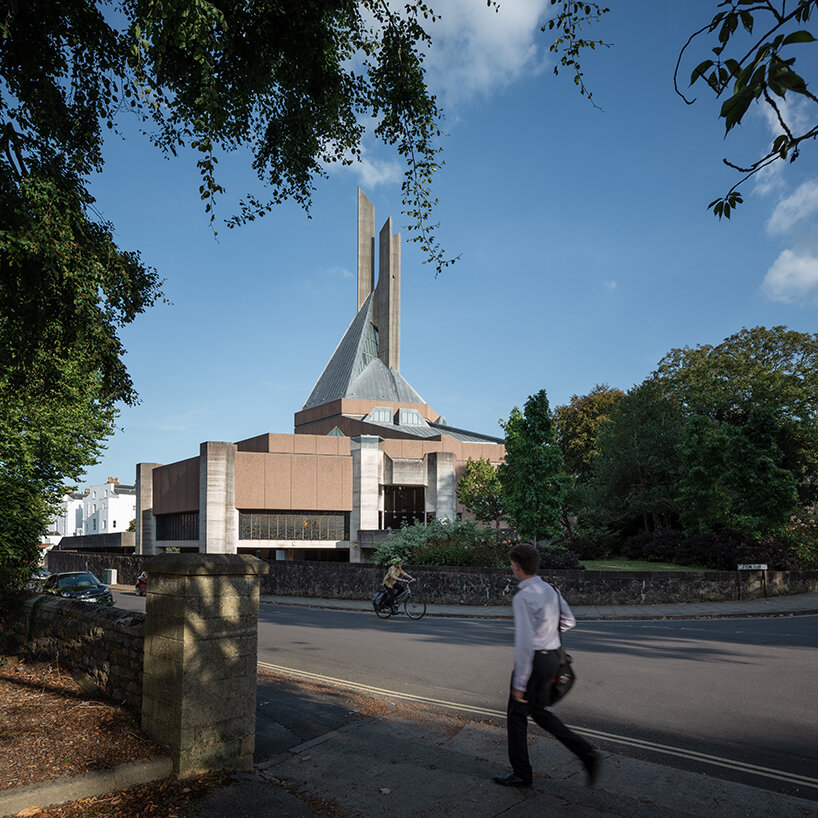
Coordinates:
114 480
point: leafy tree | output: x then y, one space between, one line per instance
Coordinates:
634 485
65 289
756 51
577 428
532 475
731 477
291 83
480 492
774 371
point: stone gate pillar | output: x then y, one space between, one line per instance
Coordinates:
200 658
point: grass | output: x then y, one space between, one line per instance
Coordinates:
621 564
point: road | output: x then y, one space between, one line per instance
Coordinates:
727 697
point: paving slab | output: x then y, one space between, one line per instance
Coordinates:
442 766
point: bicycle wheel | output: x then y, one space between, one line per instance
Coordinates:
382 612
415 606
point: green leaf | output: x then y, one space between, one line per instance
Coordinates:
735 107
699 70
791 81
798 37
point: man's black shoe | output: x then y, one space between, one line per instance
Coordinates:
592 762
512 780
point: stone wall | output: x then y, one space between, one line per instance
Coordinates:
101 642
484 586
127 566
494 586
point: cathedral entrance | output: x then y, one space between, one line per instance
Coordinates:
403 504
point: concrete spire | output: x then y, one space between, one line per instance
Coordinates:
387 297
366 249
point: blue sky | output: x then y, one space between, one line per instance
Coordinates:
587 252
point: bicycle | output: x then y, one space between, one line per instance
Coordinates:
414 605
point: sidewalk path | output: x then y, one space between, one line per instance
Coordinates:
774 606
403 763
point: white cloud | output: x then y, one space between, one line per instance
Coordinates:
340 272
797 114
370 172
476 50
792 278
373 172
796 207
769 178
611 285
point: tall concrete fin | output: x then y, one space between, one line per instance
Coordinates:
366 248
388 297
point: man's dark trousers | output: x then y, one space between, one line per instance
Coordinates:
537 693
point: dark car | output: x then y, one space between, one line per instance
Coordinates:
80 585
37 579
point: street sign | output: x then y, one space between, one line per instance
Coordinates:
753 566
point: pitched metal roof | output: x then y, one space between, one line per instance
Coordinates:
354 371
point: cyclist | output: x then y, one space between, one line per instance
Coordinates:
394 575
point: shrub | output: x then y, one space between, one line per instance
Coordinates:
591 549
656 546
722 550
441 542
801 534
559 557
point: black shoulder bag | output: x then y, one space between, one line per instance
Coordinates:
565 677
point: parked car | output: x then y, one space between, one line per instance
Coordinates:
80 585
38 578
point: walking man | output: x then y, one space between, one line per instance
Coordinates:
540 613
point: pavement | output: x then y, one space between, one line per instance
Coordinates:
324 751
797 604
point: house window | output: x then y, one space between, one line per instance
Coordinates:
380 414
410 417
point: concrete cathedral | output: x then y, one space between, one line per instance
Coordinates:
367 453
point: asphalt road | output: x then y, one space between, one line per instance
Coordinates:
727 697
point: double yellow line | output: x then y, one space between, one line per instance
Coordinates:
474 710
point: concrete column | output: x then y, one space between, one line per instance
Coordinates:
387 306
218 517
366 468
441 494
145 521
366 248
200 659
